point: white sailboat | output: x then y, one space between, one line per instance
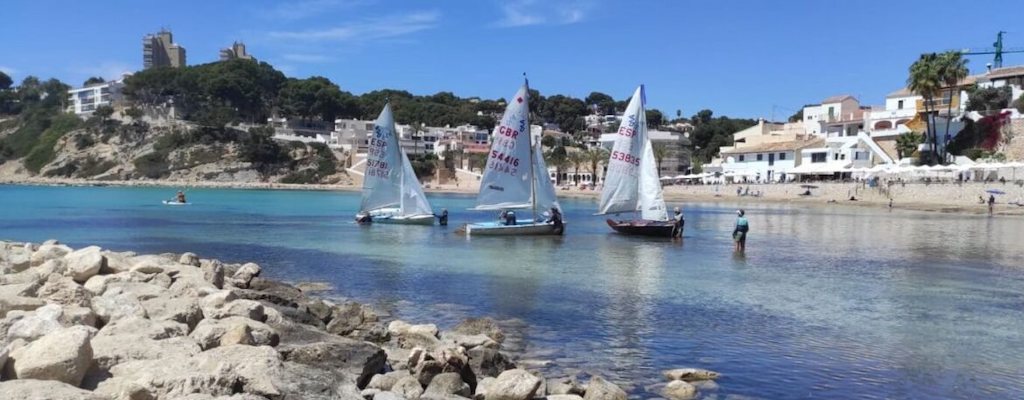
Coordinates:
516 178
631 183
391 192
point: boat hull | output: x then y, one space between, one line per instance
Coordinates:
526 229
642 228
406 220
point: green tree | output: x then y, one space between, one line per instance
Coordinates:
655 119
661 151
576 159
702 117
605 104
5 81
134 113
1019 104
952 70
906 144
558 158
103 112
926 80
93 80
596 157
987 100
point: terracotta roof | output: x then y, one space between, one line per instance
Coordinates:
837 99
777 146
1005 72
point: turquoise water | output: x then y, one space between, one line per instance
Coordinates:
828 303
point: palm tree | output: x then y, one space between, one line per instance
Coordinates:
924 80
556 157
952 70
576 158
596 156
661 151
906 144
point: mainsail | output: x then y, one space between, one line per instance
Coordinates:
506 182
631 182
389 181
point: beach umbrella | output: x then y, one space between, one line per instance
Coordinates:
995 191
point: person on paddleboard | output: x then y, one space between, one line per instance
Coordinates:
180 197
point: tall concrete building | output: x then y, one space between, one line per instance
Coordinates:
237 50
159 50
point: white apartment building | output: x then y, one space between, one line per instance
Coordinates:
84 101
764 162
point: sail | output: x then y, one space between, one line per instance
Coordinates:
382 180
506 181
545 189
621 191
413 202
652 201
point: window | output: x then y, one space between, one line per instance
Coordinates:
818 157
760 157
741 158
899 105
782 156
831 111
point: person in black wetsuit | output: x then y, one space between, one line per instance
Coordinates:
677 223
510 217
443 218
556 219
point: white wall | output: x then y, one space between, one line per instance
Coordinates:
751 166
812 118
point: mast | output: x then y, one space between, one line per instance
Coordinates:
533 174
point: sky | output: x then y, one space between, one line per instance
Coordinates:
752 58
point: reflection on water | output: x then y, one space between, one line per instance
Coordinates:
828 302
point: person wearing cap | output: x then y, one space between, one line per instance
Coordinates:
739 233
678 222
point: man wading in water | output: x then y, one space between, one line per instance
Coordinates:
739 233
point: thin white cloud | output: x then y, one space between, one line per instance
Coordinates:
305 58
366 30
296 10
515 13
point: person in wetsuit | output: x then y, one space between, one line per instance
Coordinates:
556 219
443 218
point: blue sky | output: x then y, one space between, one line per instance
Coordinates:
738 58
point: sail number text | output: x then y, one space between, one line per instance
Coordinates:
625 157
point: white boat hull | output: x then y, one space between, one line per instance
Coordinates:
175 203
525 229
406 220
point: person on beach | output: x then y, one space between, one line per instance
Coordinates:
739 233
180 197
678 222
443 218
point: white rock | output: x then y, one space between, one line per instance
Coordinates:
63 355
84 263
34 389
563 397
400 328
690 374
48 252
36 324
446 384
408 387
679 390
189 259
136 326
243 276
213 301
238 308
64 290
600 389
514 384
19 303
385 382
148 266
178 309
114 307
110 350
210 331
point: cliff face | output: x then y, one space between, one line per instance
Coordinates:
112 150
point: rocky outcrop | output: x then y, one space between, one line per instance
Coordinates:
63 355
28 389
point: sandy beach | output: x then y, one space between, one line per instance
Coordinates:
941 197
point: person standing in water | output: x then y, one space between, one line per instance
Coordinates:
443 218
677 223
991 203
739 233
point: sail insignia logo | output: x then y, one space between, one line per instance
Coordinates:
495 187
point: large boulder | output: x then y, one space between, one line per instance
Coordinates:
84 263
18 303
401 328
488 362
514 384
347 318
34 389
480 326
244 275
446 384
567 385
111 350
112 307
470 341
184 310
679 390
63 290
258 367
690 374
63 355
48 252
209 332
189 259
386 381
153 329
600 389
408 387
213 272
251 309
36 324
359 359
19 259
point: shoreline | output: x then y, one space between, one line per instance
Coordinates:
937 199
90 323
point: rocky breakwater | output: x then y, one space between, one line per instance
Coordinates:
96 324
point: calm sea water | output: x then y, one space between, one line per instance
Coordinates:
829 302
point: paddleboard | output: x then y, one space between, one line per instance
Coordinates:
175 203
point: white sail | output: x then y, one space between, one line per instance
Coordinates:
545 189
414 202
621 191
506 180
631 183
389 181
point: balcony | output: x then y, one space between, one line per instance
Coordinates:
940 104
